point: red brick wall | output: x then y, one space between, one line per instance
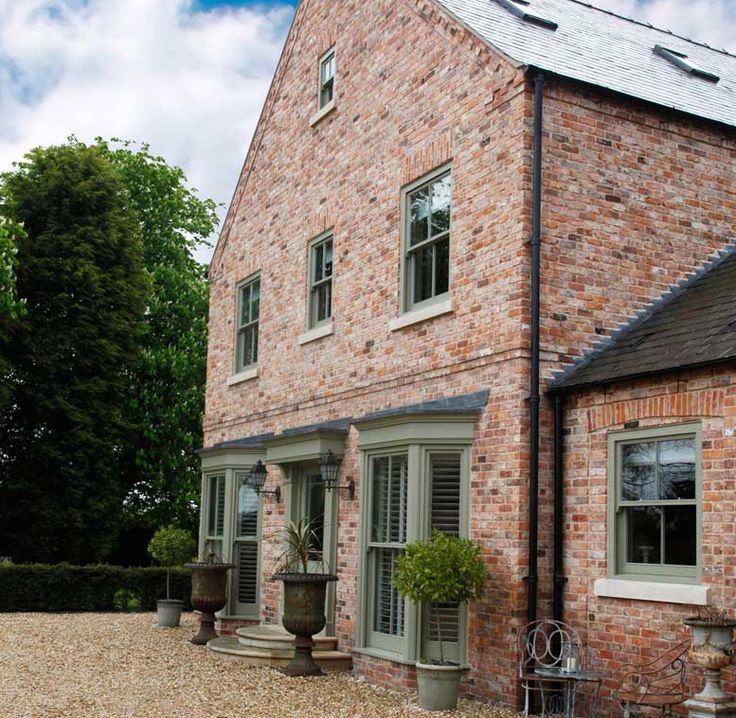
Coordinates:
633 200
621 630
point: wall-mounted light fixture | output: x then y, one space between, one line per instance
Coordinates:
329 467
257 479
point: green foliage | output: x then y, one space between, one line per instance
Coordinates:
10 307
64 588
166 398
80 277
445 569
300 549
172 546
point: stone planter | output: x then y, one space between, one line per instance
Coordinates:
711 649
304 616
169 612
438 686
209 594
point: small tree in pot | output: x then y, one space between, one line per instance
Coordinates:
171 546
445 569
304 594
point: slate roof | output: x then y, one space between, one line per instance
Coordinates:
693 325
604 49
463 404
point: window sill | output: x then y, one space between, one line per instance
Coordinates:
659 591
421 315
383 655
245 375
321 114
316 333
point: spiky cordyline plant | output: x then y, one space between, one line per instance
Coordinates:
300 549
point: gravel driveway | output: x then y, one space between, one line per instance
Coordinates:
123 665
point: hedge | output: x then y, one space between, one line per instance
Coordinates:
65 588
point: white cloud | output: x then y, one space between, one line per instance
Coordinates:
189 84
710 21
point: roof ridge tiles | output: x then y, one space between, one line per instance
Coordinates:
649 25
643 315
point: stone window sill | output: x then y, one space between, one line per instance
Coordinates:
316 333
421 315
661 592
245 375
321 114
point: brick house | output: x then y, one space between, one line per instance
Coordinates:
375 293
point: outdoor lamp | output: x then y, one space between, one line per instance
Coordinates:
257 478
329 467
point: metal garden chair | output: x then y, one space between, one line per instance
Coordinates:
658 684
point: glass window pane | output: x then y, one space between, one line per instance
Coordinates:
389 606
440 205
244 305
255 300
638 475
677 469
644 534
212 506
316 512
247 509
318 262
247 574
328 258
379 514
418 216
445 503
323 302
220 523
328 68
442 266
422 260
680 540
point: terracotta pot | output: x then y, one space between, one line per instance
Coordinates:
209 594
304 616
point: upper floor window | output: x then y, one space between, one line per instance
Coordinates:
249 299
320 281
654 498
427 205
327 78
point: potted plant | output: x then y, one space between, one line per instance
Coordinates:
304 594
445 569
711 649
171 546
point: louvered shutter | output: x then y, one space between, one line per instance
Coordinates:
246 544
445 517
388 535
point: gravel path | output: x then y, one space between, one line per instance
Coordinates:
124 666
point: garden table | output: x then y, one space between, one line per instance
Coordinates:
572 679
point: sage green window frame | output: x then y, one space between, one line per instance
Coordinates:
409 251
252 541
618 567
249 325
215 512
414 643
327 78
319 280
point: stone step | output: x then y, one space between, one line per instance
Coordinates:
276 638
230 648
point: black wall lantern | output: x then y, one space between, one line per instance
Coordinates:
329 467
257 479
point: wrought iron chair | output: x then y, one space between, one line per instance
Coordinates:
658 684
540 646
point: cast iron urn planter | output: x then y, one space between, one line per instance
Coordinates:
712 649
304 616
209 594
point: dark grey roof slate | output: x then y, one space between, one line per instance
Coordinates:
465 403
602 48
247 442
692 325
339 425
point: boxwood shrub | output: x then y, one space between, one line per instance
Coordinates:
63 588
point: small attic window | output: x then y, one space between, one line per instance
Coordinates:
516 7
684 63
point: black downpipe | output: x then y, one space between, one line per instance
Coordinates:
559 526
532 578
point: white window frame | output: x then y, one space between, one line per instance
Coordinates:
618 568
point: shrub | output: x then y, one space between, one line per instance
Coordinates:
445 569
63 588
172 546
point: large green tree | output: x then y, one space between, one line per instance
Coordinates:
10 307
166 399
81 278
